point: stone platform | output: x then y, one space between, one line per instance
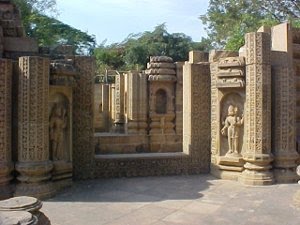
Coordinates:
173 200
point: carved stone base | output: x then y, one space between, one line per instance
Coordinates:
285 175
256 175
225 172
34 179
37 190
62 170
62 174
285 167
229 167
257 170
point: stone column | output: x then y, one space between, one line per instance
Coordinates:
83 108
258 155
137 103
119 105
33 164
179 98
196 111
284 103
105 106
5 128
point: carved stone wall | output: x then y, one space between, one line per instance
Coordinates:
83 132
228 99
5 128
33 165
283 107
196 111
258 155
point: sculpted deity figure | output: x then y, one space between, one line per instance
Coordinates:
57 123
232 124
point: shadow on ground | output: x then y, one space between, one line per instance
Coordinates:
136 189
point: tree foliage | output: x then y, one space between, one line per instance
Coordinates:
135 50
227 21
48 31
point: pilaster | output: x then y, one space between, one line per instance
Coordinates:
258 155
33 164
5 128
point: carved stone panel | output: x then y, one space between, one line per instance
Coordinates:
5 127
33 164
83 132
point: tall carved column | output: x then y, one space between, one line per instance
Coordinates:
258 155
119 104
283 108
105 106
5 128
136 103
196 112
83 108
33 165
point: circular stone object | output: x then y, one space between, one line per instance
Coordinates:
22 203
17 218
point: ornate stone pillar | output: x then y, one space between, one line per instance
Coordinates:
136 103
105 106
258 155
196 111
119 104
33 164
83 113
283 107
5 128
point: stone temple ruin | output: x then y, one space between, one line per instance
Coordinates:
233 114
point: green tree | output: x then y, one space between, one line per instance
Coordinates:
227 21
135 50
49 31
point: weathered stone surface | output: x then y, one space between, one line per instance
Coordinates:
283 107
5 127
18 218
33 165
196 111
83 140
258 155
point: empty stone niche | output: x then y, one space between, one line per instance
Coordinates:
161 100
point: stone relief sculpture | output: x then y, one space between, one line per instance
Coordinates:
58 123
232 123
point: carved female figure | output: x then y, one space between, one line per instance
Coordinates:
232 124
57 123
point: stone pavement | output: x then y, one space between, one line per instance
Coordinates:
172 200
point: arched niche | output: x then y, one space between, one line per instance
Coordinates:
161 100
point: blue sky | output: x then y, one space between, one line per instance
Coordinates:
114 20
